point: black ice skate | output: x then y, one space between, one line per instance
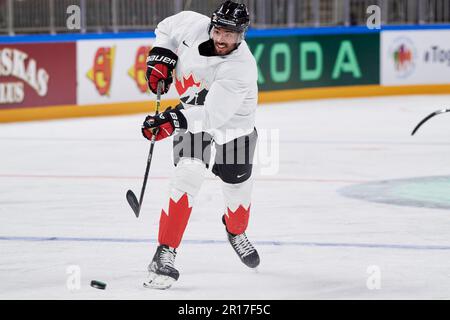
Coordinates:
243 247
162 273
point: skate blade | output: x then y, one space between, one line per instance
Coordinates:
160 282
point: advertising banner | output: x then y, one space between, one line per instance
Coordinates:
316 60
38 74
113 70
415 57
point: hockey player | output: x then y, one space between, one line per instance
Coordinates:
216 79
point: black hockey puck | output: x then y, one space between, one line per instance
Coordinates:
98 284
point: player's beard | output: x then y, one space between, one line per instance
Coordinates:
222 48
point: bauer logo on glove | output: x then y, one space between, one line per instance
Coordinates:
164 124
163 59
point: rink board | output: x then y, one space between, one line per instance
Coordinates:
114 109
64 76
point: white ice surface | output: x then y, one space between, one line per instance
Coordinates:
68 178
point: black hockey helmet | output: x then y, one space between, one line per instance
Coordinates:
231 15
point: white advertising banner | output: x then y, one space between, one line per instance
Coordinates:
113 70
416 57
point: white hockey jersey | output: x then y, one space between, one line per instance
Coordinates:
219 93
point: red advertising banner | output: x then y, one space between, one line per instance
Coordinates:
38 74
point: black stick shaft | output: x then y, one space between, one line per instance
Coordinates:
152 145
147 170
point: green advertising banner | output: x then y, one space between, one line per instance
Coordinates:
308 61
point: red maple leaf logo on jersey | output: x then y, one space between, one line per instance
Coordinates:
185 84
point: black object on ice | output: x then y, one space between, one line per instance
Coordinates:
431 115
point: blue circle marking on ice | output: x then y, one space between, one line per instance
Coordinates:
423 192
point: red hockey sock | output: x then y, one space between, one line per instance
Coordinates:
237 221
173 223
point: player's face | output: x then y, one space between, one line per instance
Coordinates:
225 40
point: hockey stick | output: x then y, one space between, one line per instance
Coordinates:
131 198
431 115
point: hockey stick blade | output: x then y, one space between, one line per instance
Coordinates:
133 202
431 115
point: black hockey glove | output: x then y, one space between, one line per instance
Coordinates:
160 64
166 123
